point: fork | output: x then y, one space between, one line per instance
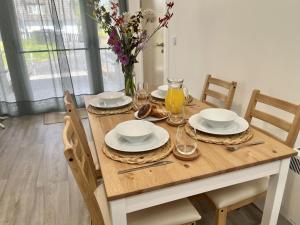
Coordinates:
155 164
237 147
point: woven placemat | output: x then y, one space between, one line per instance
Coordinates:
218 139
139 158
98 111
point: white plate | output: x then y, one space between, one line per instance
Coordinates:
157 94
238 126
100 103
163 89
149 118
158 138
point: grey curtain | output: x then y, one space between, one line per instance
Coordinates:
46 49
48 46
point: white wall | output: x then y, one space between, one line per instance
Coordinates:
254 42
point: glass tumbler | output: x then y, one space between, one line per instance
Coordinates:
141 96
185 144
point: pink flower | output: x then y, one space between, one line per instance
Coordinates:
124 59
117 47
112 38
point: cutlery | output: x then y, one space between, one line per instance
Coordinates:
155 164
237 147
118 114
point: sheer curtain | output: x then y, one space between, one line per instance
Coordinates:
52 46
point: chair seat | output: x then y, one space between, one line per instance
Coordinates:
173 213
178 212
94 155
225 197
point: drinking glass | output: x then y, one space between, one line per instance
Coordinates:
185 144
141 96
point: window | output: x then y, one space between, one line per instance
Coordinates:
111 70
37 30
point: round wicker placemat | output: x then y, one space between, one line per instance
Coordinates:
99 111
139 158
218 139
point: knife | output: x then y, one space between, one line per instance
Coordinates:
155 164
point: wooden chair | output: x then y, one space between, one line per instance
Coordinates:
89 147
225 99
177 212
237 196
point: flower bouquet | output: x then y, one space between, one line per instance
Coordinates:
128 35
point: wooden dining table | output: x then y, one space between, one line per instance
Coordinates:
215 168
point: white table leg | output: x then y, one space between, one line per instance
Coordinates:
275 194
118 212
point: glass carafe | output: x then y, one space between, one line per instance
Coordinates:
175 96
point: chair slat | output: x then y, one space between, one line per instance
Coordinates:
282 124
277 103
216 95
219 82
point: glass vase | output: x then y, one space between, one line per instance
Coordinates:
129 80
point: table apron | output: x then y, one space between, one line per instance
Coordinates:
179 191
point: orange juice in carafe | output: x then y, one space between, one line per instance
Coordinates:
175 96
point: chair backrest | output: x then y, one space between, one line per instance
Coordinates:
292 128
226 99
72 110
79 129
81 169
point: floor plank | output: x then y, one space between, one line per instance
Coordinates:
37 188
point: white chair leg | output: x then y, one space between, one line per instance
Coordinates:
2 118
2 125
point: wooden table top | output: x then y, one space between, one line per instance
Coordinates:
214 159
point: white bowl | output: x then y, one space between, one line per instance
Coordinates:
110 96
216 117
163 89
135 130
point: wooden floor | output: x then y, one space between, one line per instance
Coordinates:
37 188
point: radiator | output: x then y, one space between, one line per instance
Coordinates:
291 201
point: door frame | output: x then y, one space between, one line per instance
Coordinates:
133 6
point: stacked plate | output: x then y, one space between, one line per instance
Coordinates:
136 136
161 92
110 100
218 122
